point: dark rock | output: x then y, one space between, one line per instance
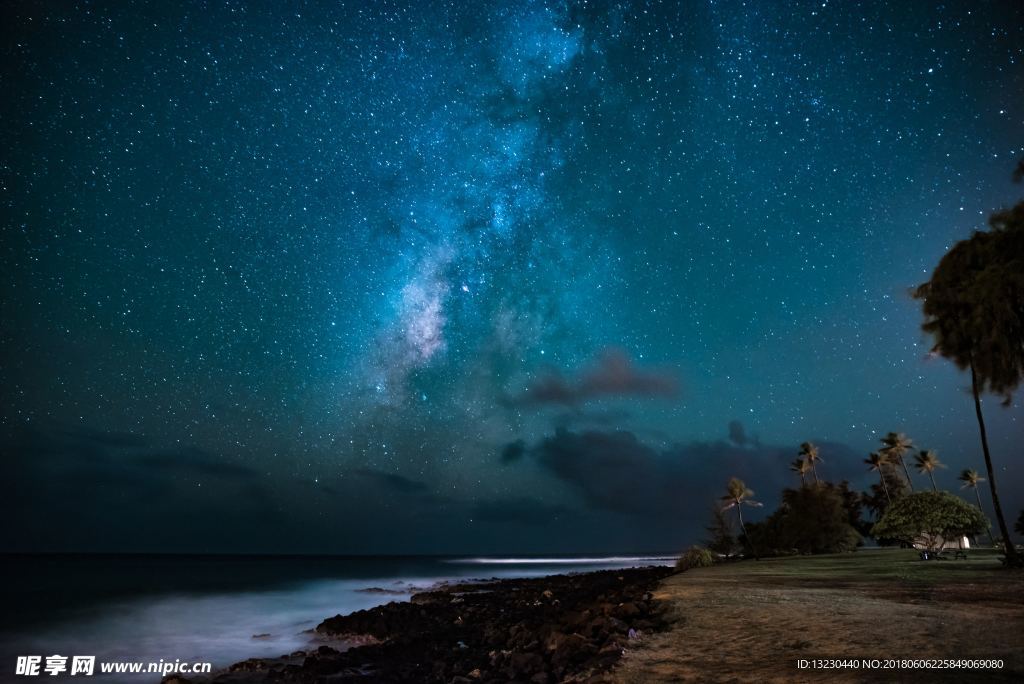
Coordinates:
505 630
627 610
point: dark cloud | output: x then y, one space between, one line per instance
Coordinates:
393 481
613 375
601 417
115 455
737 435
79 489
616 471
523 510
193 460
114 440
513 451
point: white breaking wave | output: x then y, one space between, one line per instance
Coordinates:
606 560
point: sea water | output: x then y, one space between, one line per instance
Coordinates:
219 609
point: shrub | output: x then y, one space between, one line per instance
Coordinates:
695 557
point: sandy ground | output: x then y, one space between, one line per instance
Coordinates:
753 621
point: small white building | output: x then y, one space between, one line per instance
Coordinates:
938 543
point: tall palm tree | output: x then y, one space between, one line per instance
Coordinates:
894 445
927 461
809 453
737 495
971 478
801 467
972 308
877 462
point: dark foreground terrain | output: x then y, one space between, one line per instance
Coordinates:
549 629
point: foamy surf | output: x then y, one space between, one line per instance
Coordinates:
606 560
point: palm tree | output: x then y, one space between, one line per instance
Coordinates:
801 467
877 462
894 445
927 460
971 478
737 495
972 308
809 453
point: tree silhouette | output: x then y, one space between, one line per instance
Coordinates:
894 445
927 461
801 467
877 462
895 486
971 478
929 519
737 495
974 310
809 453
721 539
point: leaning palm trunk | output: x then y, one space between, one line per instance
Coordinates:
1011 552
977 495
931 476
885 487
743 528
906 471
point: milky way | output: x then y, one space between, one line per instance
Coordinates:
358 277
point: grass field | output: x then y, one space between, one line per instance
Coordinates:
752 621
902 565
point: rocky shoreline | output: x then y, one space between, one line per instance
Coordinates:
561 628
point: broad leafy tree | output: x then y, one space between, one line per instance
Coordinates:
930 519
822 519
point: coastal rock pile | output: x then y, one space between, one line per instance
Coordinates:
541 630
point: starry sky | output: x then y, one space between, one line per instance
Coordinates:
444 277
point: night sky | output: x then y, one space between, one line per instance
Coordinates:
479 277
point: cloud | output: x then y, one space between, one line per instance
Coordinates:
613 375
113 455
522 510
513 451
737 435
616 471
193 460
82 489
99 438
393 481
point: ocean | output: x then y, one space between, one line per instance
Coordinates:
219 609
